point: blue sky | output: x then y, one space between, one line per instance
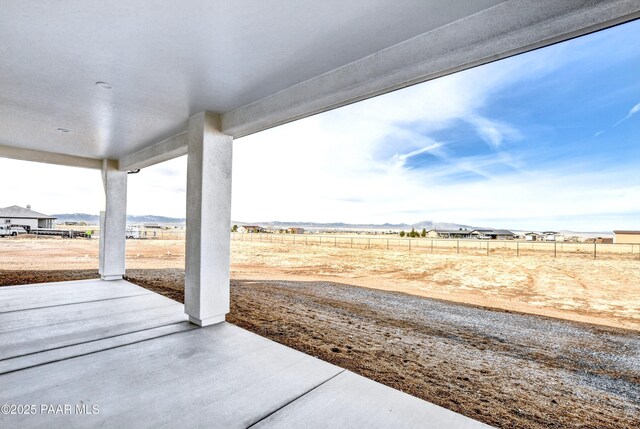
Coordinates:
545 140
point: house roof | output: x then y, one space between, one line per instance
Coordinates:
22 213
501 232
494 231
126 76
451 231
622 231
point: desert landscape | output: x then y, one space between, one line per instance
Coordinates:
531 342
570 287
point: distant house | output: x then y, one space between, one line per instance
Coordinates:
493 234
449 233
151 225
533 236
553 236
75 223
601 240
481 233
626 237
250 228
295 230
25 217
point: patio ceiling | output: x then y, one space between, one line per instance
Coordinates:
256 63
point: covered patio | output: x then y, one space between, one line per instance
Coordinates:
122 86
94 354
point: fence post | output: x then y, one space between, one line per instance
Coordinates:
432 245
517 248
555 249
458 246
368 243
409 244
595 250
320 244
335 242
352 242
388 245
487 248
305 240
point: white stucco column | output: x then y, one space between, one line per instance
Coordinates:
113 222
208 220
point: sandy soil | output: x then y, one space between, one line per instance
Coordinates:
506 369
605 292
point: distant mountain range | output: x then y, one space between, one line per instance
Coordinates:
427 224
95 219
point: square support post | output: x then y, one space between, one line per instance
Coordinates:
207 271
113 222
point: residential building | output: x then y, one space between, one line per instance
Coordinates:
553 236
449 233
250 228
626 237
492 234
25 217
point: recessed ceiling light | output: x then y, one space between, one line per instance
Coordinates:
63 130
104 85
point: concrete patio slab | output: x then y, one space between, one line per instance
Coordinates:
126 357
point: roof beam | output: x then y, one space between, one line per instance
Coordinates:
49 157
165 150
504 30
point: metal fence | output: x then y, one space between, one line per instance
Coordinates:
451 246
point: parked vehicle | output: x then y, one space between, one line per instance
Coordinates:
10 231
19 230
133 232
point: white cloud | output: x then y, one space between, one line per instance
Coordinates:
492 131
316 167
50 188
159 190
635 109
56 189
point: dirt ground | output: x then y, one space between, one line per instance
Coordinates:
504 368
605 292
